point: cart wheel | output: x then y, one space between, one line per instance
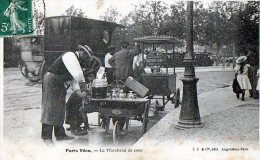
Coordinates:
145 118
115 131
107 123
177 98
99 120
34 78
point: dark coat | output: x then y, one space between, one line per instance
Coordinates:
122 62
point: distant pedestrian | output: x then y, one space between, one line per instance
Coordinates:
122 61
252 59
139 63
108 67
241 70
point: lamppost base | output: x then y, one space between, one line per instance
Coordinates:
186 124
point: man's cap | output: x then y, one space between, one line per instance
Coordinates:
87 50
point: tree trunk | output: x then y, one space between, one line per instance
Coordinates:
218 54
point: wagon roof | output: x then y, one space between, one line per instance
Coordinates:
157 39
84 18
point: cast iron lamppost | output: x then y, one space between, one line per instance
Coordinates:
190 115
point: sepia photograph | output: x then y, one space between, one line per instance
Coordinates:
129 79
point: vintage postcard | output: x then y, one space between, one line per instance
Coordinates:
139 79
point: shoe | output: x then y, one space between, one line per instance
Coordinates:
48 142
238 96
64 138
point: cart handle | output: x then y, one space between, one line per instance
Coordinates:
116 82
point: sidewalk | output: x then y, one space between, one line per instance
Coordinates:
228 123
202 69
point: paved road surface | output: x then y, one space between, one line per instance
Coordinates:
22 102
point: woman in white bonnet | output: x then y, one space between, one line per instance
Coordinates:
241 70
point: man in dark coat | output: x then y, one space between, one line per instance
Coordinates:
109 69
253 60
122 62
65 68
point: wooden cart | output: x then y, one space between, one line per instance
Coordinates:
160 84
131 109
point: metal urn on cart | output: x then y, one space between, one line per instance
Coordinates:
160 53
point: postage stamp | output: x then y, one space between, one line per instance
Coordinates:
15 17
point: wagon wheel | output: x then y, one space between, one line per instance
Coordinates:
24 69
107 124
115 131
177 98
145 118
33 78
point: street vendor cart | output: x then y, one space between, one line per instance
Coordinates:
114 101
160 52
129 108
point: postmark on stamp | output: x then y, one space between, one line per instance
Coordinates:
16 17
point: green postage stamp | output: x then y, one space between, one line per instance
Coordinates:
15 17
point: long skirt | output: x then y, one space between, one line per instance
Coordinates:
244 82
53 100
